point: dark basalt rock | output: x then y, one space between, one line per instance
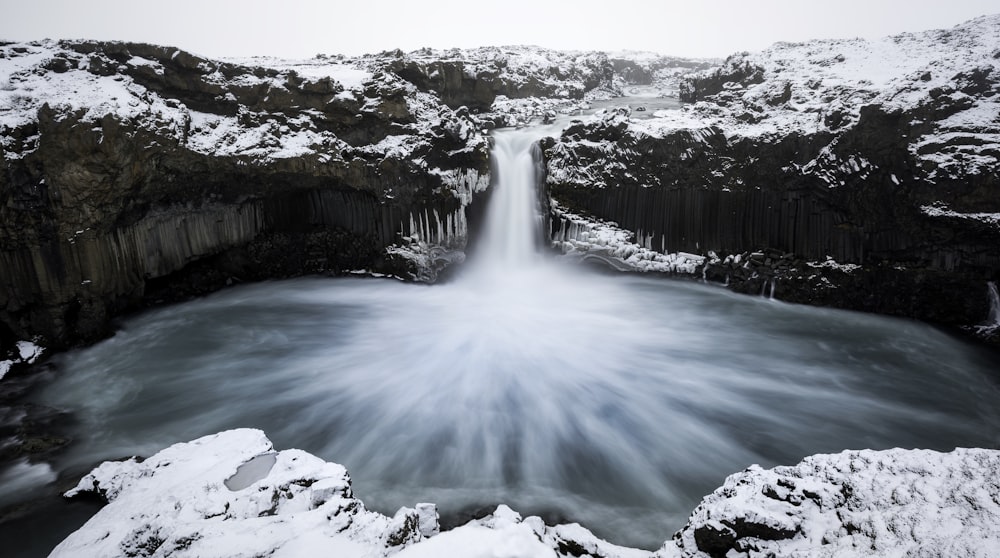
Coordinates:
736 69
100 216
476 84
856 193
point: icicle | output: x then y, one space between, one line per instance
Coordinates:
425 227
994 318
437 225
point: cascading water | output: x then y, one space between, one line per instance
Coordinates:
512 232
614 400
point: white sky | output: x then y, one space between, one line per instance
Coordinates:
301 29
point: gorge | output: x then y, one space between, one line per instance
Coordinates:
573 394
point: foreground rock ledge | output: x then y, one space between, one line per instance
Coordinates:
231 494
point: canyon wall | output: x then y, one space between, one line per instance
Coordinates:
135 173
832 187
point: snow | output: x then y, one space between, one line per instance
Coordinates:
823 77
476 541
352 78
24 352
856 503
177 504
891 503
26 85
584 238
941 210
29 351
830 263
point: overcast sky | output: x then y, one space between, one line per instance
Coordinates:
301 29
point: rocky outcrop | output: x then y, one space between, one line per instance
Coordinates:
895 502
475 78
199 498
232 494
877 155
134 172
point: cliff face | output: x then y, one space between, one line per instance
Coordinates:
135 173
879 155
846 173
127 167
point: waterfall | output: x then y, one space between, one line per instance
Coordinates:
512 231
994 317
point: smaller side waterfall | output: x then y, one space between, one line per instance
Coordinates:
994 316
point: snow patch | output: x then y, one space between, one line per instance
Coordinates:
29 351
590 238
830 263
939 209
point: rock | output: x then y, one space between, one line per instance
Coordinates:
146 173
794 149
895 502
176 504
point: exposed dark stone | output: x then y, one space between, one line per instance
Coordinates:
715 542
100 217
575 549
860 202
736 69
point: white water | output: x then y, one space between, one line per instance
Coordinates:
613 400
513 232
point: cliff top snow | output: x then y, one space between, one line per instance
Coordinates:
232 494
273 108
937 90
822 84
278 111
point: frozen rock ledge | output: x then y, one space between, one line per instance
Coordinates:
857 503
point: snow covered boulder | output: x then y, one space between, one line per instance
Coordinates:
856 503
231 494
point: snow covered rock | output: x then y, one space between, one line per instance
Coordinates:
22 353
123 163
880 154
856 503
231 494
132 172
476 78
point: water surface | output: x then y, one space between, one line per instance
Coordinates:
616 401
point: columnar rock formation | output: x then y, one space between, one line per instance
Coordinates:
135 173
805 158
131 168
